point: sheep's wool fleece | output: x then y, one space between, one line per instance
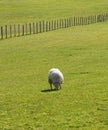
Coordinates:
55 75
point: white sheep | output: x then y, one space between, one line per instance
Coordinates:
55 77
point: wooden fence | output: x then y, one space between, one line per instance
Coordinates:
9 31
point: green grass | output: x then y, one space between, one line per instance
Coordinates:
80 52
12 12
82 55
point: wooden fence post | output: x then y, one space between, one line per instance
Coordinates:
73 21
40 27
103 17
91 20
33 28
6 31
43 25
49 26
80 20
10 31
30 28
95 19
1 32
22 30
26 29
70 22
88 20
18 30
53 25
57 24
36 28
14 30
84 20
62 23
106 16
99 18
46 26
77 21
65 23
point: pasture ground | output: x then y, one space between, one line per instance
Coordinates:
15 12
80 52
82 55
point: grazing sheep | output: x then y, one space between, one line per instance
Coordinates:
55 77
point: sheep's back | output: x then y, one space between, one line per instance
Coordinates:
55 76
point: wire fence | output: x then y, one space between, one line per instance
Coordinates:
17 30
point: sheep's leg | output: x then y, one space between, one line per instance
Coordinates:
51 86
60 86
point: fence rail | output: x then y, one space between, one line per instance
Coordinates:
9 31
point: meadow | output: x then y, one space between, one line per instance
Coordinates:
14 12
80 52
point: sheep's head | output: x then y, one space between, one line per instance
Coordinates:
56 86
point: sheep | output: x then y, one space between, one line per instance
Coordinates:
55 77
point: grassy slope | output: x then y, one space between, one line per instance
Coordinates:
81 53
14 11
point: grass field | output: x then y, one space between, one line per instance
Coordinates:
25 11
82 55
80 52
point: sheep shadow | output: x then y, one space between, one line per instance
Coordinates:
48 90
